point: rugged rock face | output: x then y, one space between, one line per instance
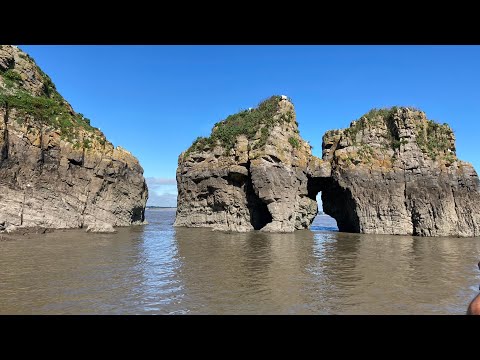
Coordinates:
252 173
396 172
391 172
57 171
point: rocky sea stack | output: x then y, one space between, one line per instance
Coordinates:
56 170
392 171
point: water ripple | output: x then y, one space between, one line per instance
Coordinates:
158 269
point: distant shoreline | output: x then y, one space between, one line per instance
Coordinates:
159 207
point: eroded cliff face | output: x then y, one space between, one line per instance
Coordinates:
56 170
396 172
391 172
252 173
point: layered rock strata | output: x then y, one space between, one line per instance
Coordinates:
56 170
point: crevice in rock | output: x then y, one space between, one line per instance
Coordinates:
75 162
4 150
415 217
197 180
138 214
234 179
407 209
259 214
393 135
392 128
83 211
272 159
41 160
468 219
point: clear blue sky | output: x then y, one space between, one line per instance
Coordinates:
155 100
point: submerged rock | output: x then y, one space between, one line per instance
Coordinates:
101 228
393 171
56 170
11 229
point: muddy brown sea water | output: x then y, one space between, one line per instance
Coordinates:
159 269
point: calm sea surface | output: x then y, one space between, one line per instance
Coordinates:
158 269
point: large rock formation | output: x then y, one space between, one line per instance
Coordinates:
56 170
396 172
252 173
391 172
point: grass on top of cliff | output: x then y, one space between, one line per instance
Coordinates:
47 110
245 122
434 139
50 109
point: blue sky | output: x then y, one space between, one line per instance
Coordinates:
155 100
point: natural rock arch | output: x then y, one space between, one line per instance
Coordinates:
393 171
337 202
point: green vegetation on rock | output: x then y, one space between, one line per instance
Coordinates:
397 143
373 118
434 139
365 152
47 111
245 122
294 142
12 75
50 108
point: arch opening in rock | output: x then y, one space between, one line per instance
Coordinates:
315 185
338 202
323 221
259 214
